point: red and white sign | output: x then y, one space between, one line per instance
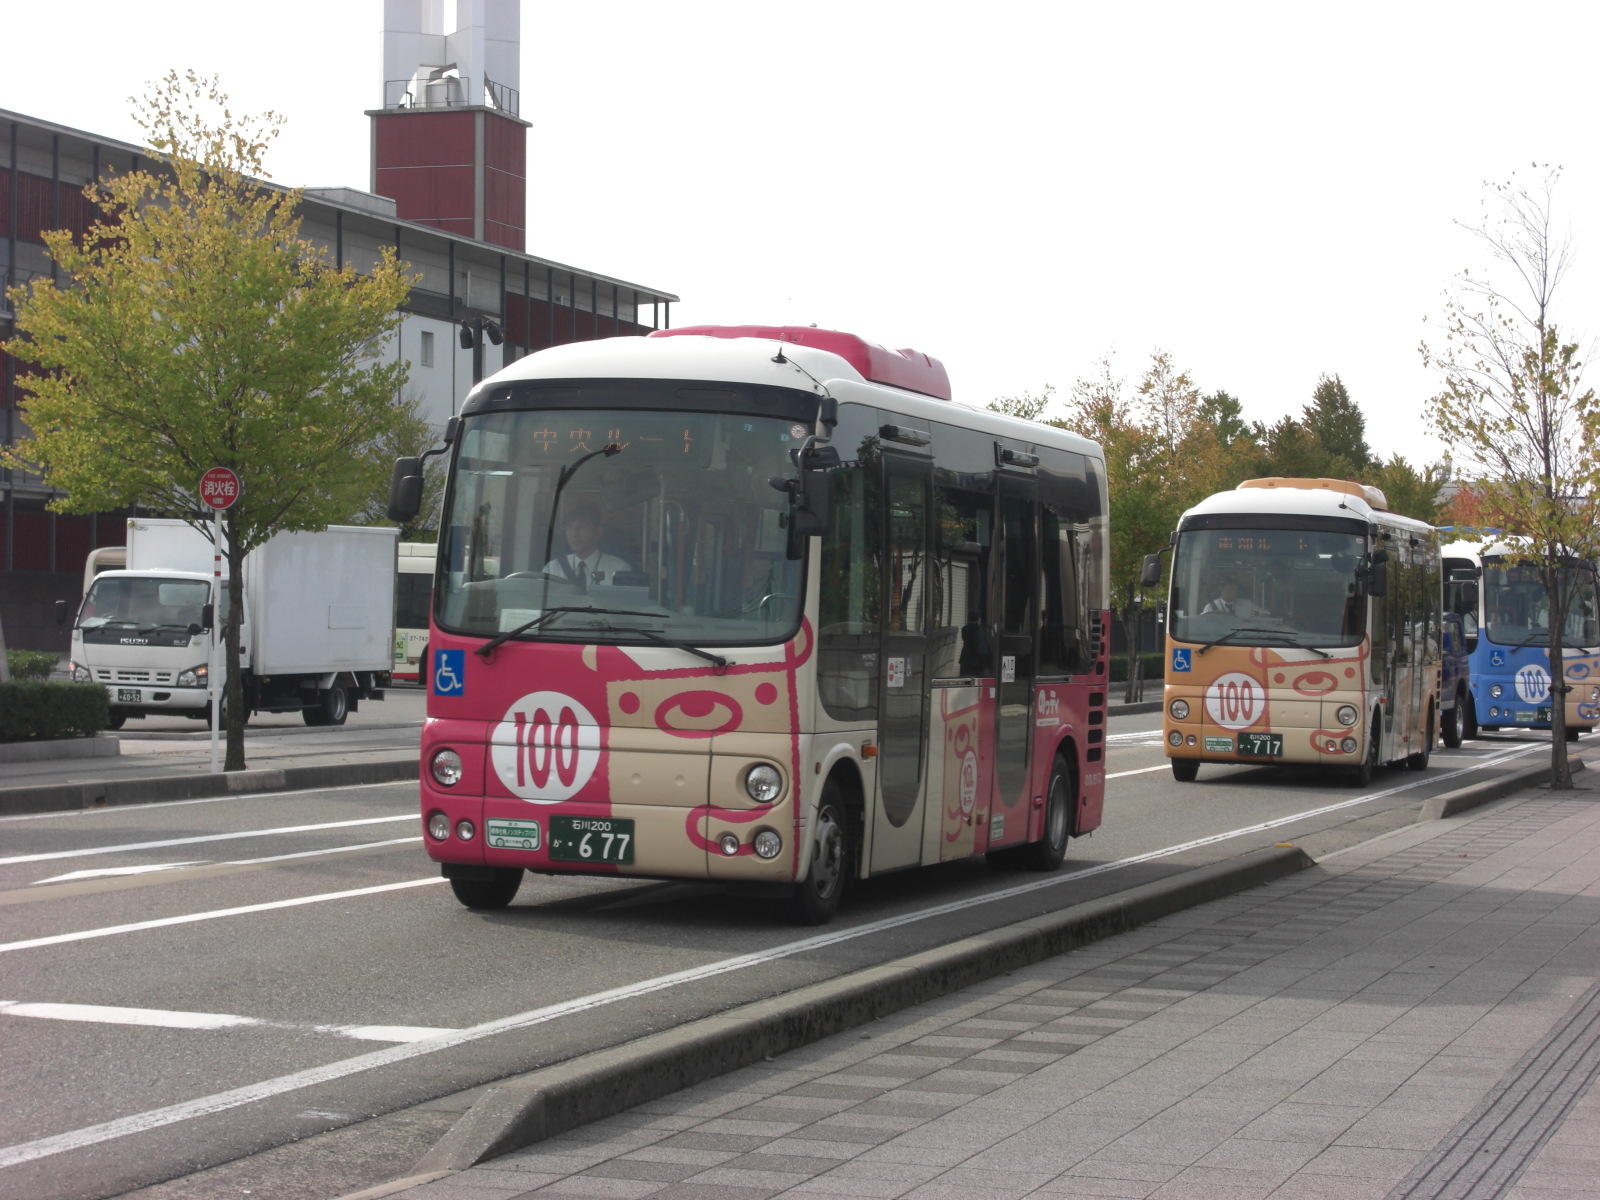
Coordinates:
219 487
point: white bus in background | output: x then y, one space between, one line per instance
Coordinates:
413 587
102 558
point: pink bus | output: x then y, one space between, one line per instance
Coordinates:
757 605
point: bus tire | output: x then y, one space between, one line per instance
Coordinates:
1419 760
422 668
1572 733
1362 775
1450 727
816 897
1185 770
488 893
1048 852
1469 720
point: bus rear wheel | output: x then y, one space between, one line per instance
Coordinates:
1185 770
816 897
493 892
1048 852
1419 760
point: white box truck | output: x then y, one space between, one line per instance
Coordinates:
317 638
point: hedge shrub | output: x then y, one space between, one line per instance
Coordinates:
30 710
1153 665
30 664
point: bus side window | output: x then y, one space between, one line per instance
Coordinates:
850 592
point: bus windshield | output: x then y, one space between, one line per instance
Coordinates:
1518 613
620 525
1267 586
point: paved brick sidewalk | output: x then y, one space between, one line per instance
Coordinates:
1418 1016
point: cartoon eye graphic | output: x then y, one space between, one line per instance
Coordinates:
1315 683
699 714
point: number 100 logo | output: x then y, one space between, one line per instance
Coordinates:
1235 700
546 748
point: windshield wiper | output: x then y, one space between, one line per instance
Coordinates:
1279 634
500 639
651 635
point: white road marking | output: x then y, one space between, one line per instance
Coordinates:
166 1018
190 918
188 1110
103 872
195 841
1140 771
89 814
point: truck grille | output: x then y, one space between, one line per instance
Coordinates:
129 675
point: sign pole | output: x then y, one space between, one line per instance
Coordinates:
216 624
219 488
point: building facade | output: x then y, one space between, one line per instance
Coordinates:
451 158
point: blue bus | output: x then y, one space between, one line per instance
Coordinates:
1505 629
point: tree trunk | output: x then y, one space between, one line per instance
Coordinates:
1133 686
1560 765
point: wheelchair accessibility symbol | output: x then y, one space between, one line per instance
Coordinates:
449 672
1181 660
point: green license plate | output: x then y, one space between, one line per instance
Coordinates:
1543 716
591 840
1261 745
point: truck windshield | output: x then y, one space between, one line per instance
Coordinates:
1518 611
636 525
1267 586
143 602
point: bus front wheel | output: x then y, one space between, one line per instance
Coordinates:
1185 770
816 897
1363 774
493 892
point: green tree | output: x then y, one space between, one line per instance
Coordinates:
1338 428
1410 491
195 329
1026 406
1514 412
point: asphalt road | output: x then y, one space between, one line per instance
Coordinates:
200 982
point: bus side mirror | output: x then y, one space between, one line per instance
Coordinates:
1374 576
61 612
810 493
1150 573
405 490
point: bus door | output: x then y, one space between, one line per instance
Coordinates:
903 715
1016 602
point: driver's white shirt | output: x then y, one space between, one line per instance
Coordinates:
593 568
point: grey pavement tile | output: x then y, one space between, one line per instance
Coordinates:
883 1170
644 1169
1123 1189
916 1152
1140 1146
1280 1158
739 1125
592 1188
963 1184
467 1186
1379 1165
765 1160
810 1148
737 1177
694 1139
1318 1124
1210 1183
698 1158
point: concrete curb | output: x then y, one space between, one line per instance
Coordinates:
98 746
529 1108
67 797
1448 804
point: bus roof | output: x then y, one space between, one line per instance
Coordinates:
814 363
909 369
1341 498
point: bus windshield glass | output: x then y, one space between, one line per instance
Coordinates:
1266 586
1518 612
621 525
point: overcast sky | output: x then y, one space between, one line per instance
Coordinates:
1267 192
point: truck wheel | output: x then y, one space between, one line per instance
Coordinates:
331 707
816 897
116 720
488 893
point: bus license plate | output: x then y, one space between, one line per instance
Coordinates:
591 840
128 696
1261 745
1542 716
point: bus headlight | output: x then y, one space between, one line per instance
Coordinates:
465 830
1174 738
1496 691
1348 745
194 676
1347 714
763 783
79 673
1179 710
438 826
768 843
729 843
446 768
